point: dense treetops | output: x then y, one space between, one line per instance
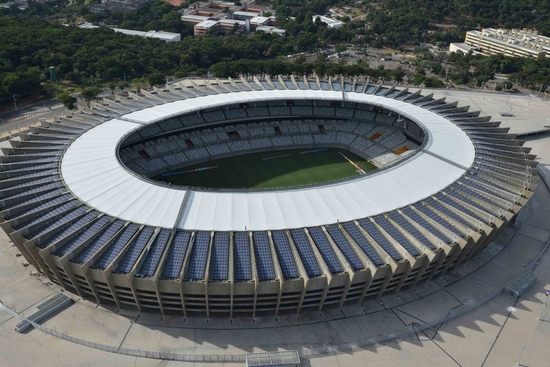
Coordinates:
406 21
33 40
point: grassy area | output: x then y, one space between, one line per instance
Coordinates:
269 169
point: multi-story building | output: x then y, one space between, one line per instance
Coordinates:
193 19
244 15
205 26
513 43
225 25
259 22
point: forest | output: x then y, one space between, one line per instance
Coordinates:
46 35
396 22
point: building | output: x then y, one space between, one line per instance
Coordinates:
244 15
193 19
256 8
225 25
120 6
87 215
513 43
331 23
214 9
258 21
222 4
208 12
271 30
205 26
227 17
460 47
161 35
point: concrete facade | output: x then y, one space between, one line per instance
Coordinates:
512 43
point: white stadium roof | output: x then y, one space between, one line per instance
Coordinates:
91 170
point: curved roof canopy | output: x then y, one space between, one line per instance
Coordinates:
91 170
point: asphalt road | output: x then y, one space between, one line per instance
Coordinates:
28 115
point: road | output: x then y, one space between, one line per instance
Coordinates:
25 116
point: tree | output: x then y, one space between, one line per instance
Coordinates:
156 79
112 87
398 74
300 59
12 84
340 48
433 83
233 29
418 79
67 100
89 94
321 57
122 85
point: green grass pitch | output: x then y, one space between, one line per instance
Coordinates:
280 168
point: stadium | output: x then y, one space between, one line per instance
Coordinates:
142 200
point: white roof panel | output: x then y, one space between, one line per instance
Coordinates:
375 194
101 181
91 170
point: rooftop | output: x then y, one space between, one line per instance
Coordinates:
232 21
194 17
332 23
164 36
444 159
527 40
246 13
268 29
207 23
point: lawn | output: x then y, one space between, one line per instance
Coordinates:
270 169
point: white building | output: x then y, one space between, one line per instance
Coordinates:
271 30
225 25
460 47
244 15
260 21
205 26
193 19
164 36
331 23
513 43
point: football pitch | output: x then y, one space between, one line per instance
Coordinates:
279 168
